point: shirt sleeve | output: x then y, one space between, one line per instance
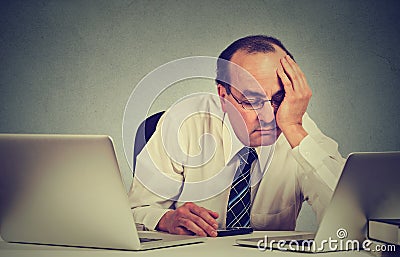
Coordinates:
320 166
149 196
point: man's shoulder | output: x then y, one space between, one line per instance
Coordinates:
196 102
194 105
192 111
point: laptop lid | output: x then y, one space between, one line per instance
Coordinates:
66 190
368 188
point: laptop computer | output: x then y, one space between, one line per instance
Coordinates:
67 190
367 189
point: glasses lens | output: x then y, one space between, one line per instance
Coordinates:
253 106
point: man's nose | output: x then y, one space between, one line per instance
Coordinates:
266 113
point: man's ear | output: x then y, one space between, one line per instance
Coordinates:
222 95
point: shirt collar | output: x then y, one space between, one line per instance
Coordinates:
229 136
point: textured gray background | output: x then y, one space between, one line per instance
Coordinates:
70 66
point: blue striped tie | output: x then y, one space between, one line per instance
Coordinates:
238 214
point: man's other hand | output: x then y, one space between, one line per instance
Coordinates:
189 219
294 105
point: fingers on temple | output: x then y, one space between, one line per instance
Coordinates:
287 84
299 75
295 75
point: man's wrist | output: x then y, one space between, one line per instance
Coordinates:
162 223
294 134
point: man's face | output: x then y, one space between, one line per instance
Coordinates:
253 127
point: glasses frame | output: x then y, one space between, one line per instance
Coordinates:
275 104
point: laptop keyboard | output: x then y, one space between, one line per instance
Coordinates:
145 239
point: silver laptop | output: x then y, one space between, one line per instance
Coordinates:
67 190
368 188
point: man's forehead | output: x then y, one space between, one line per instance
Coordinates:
255 72
257 63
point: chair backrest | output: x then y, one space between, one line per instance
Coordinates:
144 133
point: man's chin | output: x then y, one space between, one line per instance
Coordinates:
268 142
265 139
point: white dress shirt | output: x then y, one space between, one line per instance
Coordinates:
200 161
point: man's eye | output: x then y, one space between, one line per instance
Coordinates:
253 105
248 103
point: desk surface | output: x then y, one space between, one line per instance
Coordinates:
224 246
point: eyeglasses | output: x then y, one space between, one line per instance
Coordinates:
256 104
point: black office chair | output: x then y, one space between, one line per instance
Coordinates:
143 134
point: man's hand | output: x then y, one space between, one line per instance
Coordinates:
189 219
294 105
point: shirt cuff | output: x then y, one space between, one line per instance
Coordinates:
149 216
312 158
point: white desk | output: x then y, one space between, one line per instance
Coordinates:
224 246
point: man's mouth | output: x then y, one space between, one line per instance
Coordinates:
266 130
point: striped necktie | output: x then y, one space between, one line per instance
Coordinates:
238 213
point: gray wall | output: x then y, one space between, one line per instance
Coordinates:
70 66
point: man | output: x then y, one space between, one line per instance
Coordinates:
263 97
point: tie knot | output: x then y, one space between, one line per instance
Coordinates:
248 154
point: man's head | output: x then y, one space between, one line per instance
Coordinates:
246 78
